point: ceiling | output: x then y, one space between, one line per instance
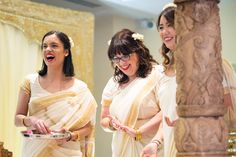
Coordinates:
136 9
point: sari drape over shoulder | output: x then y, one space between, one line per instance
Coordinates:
167 97
229 84
69 109
133 106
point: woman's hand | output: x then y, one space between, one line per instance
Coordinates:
63 140
169 122
130 131
150 150
115 123
38 124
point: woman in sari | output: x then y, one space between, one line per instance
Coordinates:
53 101
167 87
130 108
229 84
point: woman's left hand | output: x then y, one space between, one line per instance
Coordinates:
130 131
150 150
63 140
170 122
115 123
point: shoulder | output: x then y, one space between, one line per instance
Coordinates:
226 64
28 81
158 70
31 77
111 86
80 83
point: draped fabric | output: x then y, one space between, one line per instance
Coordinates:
167 97
229 84
133 106
18 57
70 109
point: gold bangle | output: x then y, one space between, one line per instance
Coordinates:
138 136
78 136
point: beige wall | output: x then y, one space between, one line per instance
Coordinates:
228 29
106 26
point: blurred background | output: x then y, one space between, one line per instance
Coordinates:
111 16
140 16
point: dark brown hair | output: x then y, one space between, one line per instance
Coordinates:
68 67
169 14
123 43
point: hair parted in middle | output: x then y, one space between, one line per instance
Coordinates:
169 14
68 67
124 43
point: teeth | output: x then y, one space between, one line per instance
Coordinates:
50 57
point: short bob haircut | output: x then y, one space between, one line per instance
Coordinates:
123 43
169 14
68 68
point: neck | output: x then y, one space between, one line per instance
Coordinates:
53 74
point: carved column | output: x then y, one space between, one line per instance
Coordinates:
201 130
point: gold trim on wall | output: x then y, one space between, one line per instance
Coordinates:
35 19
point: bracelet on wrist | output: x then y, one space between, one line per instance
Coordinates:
157 142
70 137
138 136
78 137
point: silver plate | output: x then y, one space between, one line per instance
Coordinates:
52 136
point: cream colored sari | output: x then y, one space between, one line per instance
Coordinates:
133 106
229 84
167 97
69 109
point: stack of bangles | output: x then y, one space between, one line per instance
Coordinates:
157 142
138 136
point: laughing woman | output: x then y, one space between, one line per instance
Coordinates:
130 106
53 101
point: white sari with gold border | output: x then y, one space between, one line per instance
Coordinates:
167 97
71 108
133 105
229 84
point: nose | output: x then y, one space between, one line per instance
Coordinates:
48 49
165 30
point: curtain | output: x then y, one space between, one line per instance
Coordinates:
19 56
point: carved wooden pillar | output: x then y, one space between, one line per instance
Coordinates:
201 130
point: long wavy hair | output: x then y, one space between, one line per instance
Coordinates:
68 68
123 43
169 14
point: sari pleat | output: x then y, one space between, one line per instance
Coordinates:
69 109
